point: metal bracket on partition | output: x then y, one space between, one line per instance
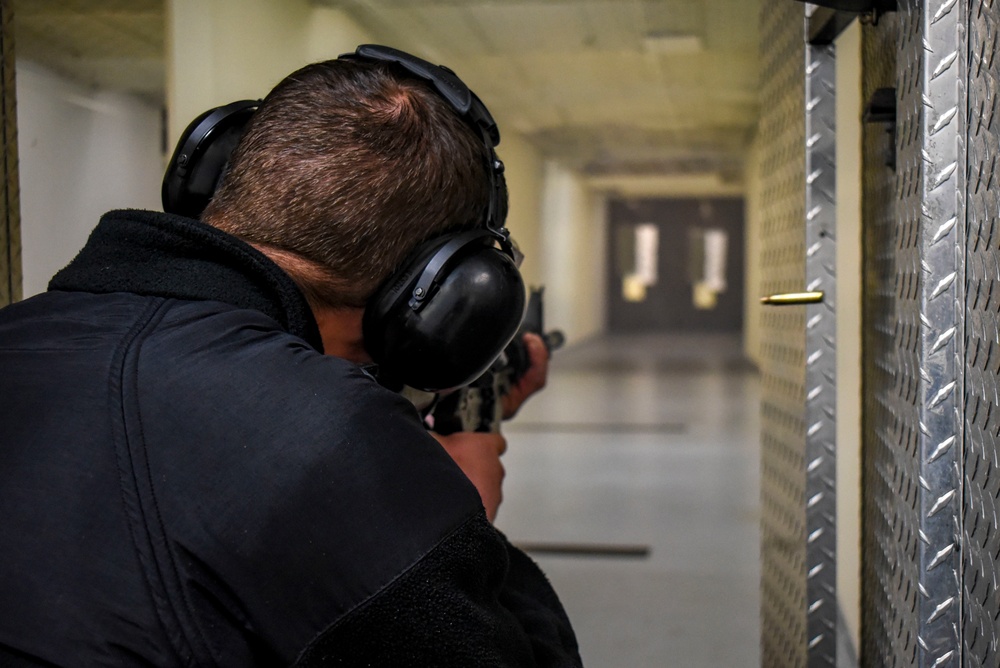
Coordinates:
831 17
881 108
826 24
877 9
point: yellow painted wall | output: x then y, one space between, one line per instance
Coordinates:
224 50
331 32
753 223
219 51
573 241
849 103
523 171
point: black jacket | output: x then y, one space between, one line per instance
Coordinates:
185 480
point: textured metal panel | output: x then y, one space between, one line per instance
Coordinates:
981 531
888 637
799 609
783 482
913 342
820 358
941 224
10 227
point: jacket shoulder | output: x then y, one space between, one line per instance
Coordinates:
288 478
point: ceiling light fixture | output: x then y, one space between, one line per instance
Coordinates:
672 43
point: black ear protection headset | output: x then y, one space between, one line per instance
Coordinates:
201 157
447 312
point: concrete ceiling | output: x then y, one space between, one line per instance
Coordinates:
623 91
116 44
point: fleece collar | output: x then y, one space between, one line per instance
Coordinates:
163 255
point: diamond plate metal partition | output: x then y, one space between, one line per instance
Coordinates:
981 527
784 624
820 347
798 138
888 623
914 345
940 219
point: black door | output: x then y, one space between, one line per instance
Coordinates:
676 265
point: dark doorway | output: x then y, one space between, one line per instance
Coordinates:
676 265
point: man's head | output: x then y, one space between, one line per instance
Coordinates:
344 169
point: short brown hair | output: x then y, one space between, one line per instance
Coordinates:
350 165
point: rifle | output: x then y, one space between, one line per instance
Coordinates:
478 405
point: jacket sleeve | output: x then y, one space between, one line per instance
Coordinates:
311 516
474 600
529 596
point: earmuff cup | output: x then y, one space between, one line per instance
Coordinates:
471 313
201 157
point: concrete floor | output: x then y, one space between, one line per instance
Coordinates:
645 443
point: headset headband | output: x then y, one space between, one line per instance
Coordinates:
471 109
464 101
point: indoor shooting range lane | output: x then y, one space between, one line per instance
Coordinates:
633 480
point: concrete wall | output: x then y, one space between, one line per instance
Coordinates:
82 153
574 247
524 171
331 32
219 51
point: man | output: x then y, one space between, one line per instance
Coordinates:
188 480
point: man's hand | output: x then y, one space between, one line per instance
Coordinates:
533 379
478 455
